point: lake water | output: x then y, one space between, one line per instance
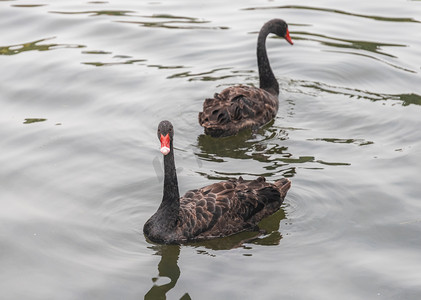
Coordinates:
83 86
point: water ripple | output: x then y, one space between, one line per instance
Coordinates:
28 5
369 46
174 22
404 99
167 21
266 146
358 142
94 13
337 11
124 62
208 75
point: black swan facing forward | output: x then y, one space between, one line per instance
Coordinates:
217 210
240 107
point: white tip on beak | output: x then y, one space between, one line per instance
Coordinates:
165 150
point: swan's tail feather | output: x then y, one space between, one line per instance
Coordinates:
283 186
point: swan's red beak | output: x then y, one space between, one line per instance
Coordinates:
288 38
165 144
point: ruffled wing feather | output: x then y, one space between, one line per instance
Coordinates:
237 108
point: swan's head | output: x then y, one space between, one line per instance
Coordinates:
165 135
280 28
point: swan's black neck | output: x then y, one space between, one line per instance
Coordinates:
268 81
171 199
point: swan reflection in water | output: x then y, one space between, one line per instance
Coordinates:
168 266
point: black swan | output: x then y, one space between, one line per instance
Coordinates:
217 210
240 107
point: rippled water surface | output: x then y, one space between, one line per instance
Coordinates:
83 86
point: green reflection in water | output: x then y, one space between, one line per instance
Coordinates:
166 67
33 120
332 163
121 59
34 46
204 76
336 11
408 99
96 52
168 16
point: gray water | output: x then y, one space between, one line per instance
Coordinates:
83 86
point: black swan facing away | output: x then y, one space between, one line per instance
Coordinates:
217 210
241 107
